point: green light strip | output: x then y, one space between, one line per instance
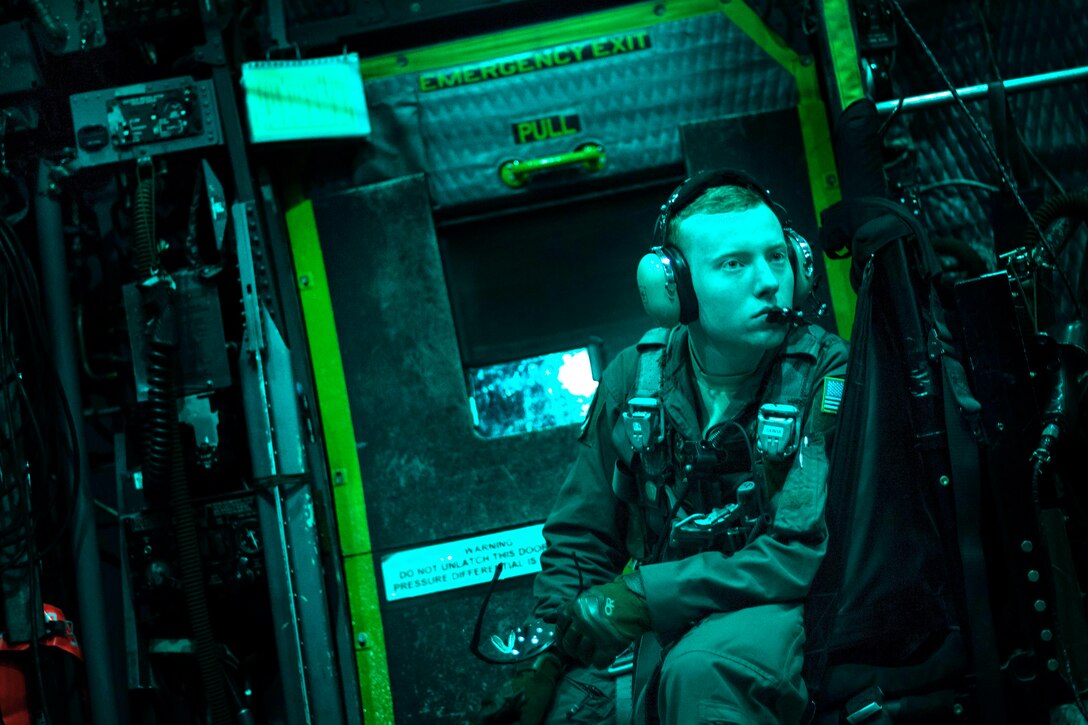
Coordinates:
819 154
844 52
343 459
533 37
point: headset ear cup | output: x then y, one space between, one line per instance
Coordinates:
804 267
685 288
657 288
664 283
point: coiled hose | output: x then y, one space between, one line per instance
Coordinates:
165 470
145 247
55 30
1072 204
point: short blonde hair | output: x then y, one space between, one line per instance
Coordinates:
715 200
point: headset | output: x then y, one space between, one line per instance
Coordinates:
664 278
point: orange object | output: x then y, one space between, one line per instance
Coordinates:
15 664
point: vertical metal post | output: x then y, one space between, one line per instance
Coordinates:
259 411
93 634
316 499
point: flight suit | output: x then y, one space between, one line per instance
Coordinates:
731 626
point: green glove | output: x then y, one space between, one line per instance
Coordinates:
602 622
525 697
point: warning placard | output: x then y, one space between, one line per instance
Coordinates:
462 563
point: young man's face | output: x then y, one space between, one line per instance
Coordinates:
740 268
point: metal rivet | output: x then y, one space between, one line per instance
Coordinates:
304 280
1033 576
1026 546
362 639
1046 635
944 480
1040 605
1052 665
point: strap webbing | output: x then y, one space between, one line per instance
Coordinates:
967 485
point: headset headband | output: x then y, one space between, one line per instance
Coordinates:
700 182
664 278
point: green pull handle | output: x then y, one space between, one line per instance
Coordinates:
516 173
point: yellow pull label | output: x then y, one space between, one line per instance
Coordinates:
542 129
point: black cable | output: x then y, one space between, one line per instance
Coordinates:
957 182
146 251
22 558
15 533
74 485
27 528
26 288
24 272
40 455
165 471
986 35
43 15
1009 184
477 629
659 549
891 116
66 451
36 615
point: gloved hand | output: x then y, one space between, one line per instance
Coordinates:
525 697
601 622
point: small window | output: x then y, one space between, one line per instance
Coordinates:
533 394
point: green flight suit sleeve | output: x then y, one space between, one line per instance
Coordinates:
778 566
587 520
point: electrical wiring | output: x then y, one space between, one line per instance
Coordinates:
891 117
62 528
988 38
1011 186
991 152
13 532
957 182
52 451
36 616
39 446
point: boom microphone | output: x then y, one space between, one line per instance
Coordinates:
795 316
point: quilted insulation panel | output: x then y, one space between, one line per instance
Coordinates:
1026 38
627 92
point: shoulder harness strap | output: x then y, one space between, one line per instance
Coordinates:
644 419
782 419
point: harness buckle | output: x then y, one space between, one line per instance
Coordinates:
644 423
778 432
727 529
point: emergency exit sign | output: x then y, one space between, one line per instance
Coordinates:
462 563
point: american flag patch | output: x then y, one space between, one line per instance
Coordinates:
832 399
